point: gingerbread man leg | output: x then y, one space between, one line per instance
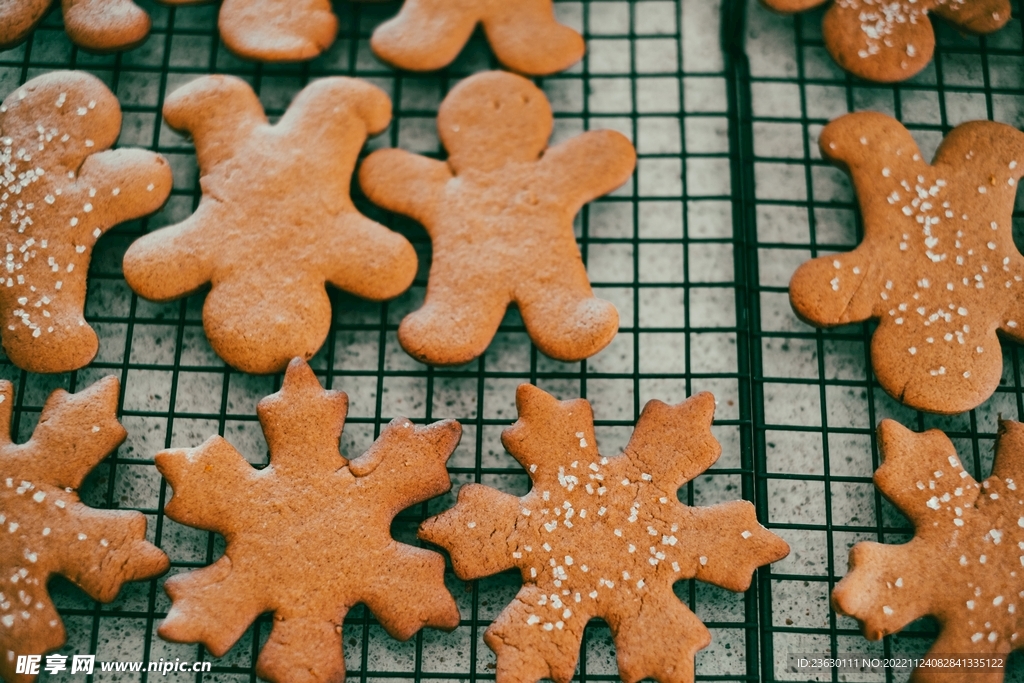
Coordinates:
455 324
17 19
425 35
526 38
277 30
563 317
105 25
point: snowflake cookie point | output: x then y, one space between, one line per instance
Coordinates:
331 515
602 537
48 530
963 563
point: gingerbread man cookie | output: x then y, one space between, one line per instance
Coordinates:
603 537
308 536
275 222
60 190
964 564
45 528
427 35
275 30
937 266
96 25
891 40
500 215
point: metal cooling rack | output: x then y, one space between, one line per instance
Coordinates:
695 251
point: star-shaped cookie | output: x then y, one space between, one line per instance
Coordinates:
275 222
309 536
603 537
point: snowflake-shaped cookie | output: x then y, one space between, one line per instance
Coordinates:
60 189
937 267
45 528
525 36
891 40
275 223
309 536
965 563
603 537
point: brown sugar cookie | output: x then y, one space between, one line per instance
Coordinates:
45 528
603 537
275 30
427 35
61 188
889 41
499 213
275 222
965 563
96 25
937 266
308 536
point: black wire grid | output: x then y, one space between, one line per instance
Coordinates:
729 197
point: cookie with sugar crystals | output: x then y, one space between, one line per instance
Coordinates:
96 25
61 188
276 223
275 30
46 529
603 537
427 35
937 267
889 41
309 535
963 566
500 216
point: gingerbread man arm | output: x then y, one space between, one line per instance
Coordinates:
405 183
977 17
526 37
17 19
171 262
589 166
220 112
128 184
277 30
425 35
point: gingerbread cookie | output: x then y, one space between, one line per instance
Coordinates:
96 25
45 528
964 564
937 267
500 215
309 536
603 537
275 221
893 40
427 35
275 30
60 190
